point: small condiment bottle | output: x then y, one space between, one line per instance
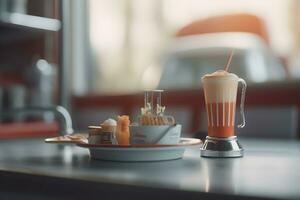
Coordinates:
94 134
108 134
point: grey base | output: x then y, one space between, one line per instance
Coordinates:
222 147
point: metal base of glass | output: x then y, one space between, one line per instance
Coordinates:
222 147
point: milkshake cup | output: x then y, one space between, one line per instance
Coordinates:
220 91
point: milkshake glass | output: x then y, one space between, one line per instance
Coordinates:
220 91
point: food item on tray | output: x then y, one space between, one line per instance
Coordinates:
154 127
149 119
94 130
94 134
104 134
154 115
109 125
71 138
123 130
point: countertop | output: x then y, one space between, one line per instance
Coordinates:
33 169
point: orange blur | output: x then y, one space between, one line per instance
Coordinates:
123 130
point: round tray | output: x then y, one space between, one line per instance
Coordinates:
145 152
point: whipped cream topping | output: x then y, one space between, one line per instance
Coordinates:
220 86
219 73
110 122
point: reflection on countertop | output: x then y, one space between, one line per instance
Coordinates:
268 169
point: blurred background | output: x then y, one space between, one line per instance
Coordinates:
95 57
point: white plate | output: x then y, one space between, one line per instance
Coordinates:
150 152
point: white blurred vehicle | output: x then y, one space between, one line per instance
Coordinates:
191 57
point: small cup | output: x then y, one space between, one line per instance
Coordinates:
94 134
164 134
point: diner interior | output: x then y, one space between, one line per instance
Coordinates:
66 65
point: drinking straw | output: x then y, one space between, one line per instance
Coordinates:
229 60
